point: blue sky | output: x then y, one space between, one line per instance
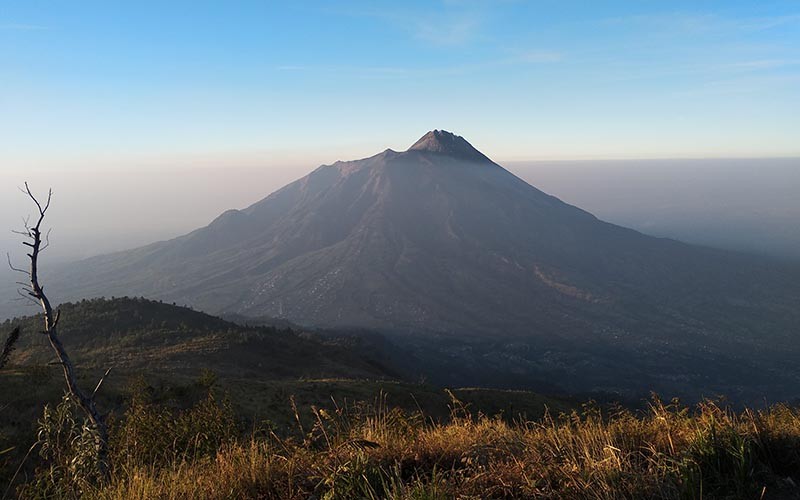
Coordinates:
117 84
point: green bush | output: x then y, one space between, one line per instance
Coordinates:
68 447
150 433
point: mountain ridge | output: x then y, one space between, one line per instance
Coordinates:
133 333
429 244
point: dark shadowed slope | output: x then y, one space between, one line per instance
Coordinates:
440 239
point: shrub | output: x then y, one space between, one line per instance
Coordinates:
68 448
155 434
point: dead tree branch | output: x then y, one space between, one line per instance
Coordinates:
51 317
11 266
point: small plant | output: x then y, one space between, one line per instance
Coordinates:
67 446
207 379
152 433
722 455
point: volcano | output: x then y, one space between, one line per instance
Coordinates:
440 242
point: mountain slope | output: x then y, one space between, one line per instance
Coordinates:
441 240
134 334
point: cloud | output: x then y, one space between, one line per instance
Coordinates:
446 30
699 23
765 23
751 84
449 23
539 56
359 71
760 64
395 72
293 67
22 27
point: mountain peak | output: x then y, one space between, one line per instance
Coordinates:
444 142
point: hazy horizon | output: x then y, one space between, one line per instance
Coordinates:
740 204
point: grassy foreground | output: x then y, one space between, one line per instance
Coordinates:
375 451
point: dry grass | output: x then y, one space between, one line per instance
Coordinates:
378 452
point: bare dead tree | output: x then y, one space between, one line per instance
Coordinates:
33 290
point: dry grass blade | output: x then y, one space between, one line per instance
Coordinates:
8 347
